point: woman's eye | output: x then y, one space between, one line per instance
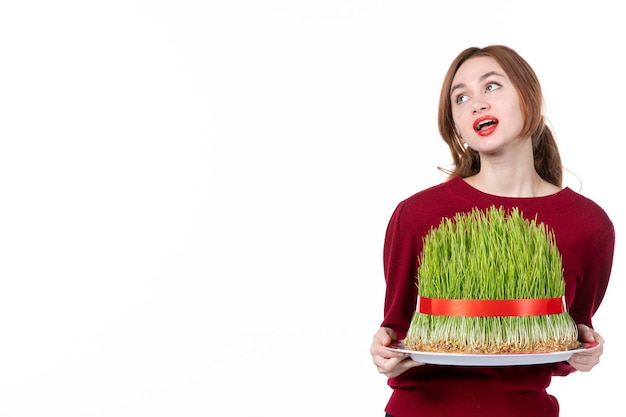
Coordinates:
461 98
492 86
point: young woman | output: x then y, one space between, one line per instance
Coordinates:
490 115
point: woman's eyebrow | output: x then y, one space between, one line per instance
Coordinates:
482 78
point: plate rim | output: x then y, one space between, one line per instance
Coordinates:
488 359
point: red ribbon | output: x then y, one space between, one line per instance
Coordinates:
490 308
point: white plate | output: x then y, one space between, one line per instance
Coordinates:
499 359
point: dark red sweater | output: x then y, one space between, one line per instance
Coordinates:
585 237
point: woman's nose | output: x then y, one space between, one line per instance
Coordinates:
478 106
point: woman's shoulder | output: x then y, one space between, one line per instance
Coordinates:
437 201
437 191
585 207
581 201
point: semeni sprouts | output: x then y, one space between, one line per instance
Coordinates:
491 255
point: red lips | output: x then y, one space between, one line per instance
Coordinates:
485 125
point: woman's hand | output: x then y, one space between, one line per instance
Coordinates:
388 362
587 359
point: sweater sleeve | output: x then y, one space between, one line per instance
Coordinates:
400 251
591 288
596 271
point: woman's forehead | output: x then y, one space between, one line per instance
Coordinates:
476 68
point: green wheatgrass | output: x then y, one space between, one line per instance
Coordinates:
491 255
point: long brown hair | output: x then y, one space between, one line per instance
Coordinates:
545 151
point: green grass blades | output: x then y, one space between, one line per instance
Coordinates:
491 255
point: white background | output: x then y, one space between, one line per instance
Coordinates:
193 194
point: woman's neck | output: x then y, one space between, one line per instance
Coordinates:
511 180
511 172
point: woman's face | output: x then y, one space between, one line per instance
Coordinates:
485 106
